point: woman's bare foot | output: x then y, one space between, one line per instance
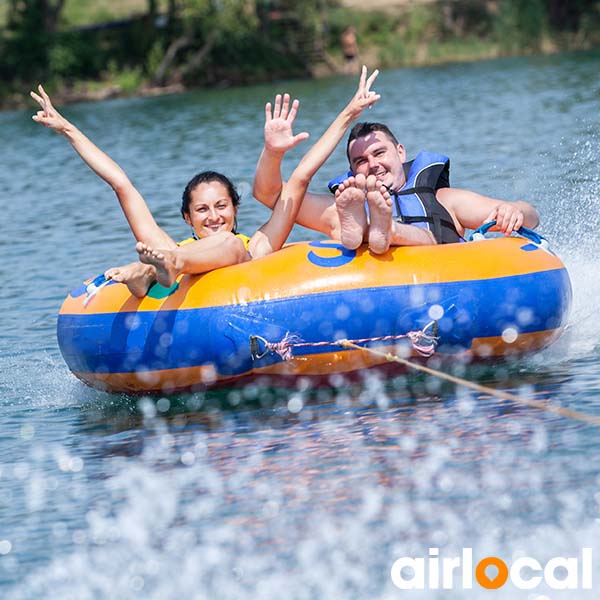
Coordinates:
350 204
136 276
164 261
380 211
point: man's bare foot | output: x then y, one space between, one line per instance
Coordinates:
164 261
380 211
350 204
136 276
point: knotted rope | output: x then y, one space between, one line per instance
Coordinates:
423 342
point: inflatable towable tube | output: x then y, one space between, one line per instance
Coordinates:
282 315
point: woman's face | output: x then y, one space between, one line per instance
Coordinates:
211 209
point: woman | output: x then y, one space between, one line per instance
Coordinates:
210 202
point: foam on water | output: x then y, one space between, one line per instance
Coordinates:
318 507
573 227
42 380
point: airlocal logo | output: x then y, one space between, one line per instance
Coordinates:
491 572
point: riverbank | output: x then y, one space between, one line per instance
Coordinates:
95 91
398 34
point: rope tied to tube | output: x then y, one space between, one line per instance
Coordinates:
422 342
500 394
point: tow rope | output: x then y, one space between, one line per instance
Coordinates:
507 396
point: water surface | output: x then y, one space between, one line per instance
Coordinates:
262 492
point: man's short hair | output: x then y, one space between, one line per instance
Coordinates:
364 128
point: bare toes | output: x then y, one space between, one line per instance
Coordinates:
360 181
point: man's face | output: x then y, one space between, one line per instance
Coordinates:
375 154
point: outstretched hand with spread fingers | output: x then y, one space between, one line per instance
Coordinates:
279 121
364 97
48 115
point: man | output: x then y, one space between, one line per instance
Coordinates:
349 45
409 204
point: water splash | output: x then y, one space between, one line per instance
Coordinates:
320 508
575 226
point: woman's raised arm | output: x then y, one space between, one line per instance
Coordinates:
273 234
135 209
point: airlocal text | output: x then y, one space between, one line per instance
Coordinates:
491 572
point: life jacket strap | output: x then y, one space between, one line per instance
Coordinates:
423 189
436 221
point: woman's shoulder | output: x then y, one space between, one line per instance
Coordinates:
244 239
186 241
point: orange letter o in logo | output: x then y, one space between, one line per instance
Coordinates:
483 580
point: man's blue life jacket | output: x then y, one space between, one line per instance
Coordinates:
415 203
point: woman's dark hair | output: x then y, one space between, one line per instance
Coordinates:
207 177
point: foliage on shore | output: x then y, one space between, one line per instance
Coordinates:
178 44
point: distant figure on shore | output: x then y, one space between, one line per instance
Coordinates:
349 46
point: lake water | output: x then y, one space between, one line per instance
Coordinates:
236 494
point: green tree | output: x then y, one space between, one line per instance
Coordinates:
31 26
202 25
566 15
521 24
